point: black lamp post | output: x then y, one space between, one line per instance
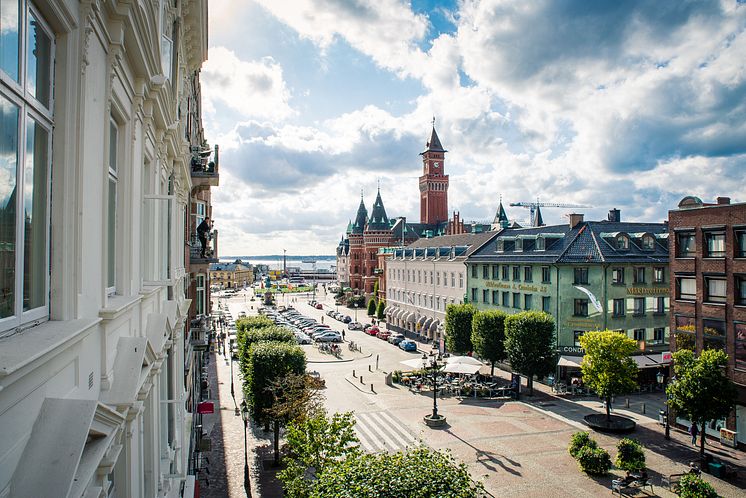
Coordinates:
246 479
430 362
661 378
233 392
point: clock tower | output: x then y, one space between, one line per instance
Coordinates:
433 182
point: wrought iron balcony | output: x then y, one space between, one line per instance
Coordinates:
211 250
205 170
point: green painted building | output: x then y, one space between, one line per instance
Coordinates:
589 275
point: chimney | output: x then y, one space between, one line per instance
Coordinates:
723 200
575 219
615 215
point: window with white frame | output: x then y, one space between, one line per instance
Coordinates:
167 44
26 64
111 207
200 295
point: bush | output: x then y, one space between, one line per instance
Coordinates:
396 376
630 455
594 461
580 440
372 307
693 486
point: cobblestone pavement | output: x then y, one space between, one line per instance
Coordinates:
516 448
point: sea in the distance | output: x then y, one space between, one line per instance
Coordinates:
305 263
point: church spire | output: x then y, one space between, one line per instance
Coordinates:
378 219
434 145
361 218
501 218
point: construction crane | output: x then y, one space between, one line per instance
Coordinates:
535 213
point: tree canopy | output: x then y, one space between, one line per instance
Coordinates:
458 327
700 390
381 309
530 344
488 336
267 362
412 473
372 306
248 336
607 367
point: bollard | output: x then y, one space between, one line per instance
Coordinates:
626 402
361 379
369 368
376 362
353 374
371 388
643 408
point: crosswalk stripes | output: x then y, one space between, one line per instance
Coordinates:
379 431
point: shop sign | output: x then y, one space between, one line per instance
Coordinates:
583 324
666 356
645 291
571 349
728 438
492 284
206 407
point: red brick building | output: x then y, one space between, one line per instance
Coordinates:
708 285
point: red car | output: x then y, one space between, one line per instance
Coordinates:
383 335
319 307
372 331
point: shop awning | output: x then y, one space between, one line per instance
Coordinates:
421 321
569 361
434 326
650 361
426 325
411 318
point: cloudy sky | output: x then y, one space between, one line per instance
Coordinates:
606 104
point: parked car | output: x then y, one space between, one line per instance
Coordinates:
396 338
355 326
383 335
302 338
347 319
328 337
371 330
319 306
408 345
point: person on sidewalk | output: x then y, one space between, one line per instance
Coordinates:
693 431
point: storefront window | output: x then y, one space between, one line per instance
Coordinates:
740 346
684 333
714 334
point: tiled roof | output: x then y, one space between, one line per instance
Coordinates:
473 240
433 145
378 219
361 219
582 244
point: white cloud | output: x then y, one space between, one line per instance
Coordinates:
255 89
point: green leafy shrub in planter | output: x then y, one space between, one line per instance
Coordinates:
693 486
630 455
580 440
594 461
396 376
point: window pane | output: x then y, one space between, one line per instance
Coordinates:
113 147
39 61
716 290
111 233
9 37
740 354
8 172
166 51
35 215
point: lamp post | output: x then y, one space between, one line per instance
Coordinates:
233 392
661 378
431 362
246 479
355 308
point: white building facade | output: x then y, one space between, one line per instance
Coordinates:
423 279
94 194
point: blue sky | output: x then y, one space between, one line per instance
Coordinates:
630 105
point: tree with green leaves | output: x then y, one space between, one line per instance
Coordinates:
375 288
381 310
488 336
314 443
295 397
607 367
249 336
267 362
372 306
530 344
458 327
411 473
700 390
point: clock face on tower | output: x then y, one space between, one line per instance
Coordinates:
435 165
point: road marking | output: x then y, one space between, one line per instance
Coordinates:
379 431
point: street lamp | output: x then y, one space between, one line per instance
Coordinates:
246 480
431 363
661 378
354 305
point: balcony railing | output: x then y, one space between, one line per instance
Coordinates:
211 250
205 170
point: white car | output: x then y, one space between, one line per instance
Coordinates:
328 337
302 338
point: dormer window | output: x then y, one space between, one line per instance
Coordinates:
518 245
622 242
500 245
648 242
540 244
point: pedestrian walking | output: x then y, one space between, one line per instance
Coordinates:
693 431
343 335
